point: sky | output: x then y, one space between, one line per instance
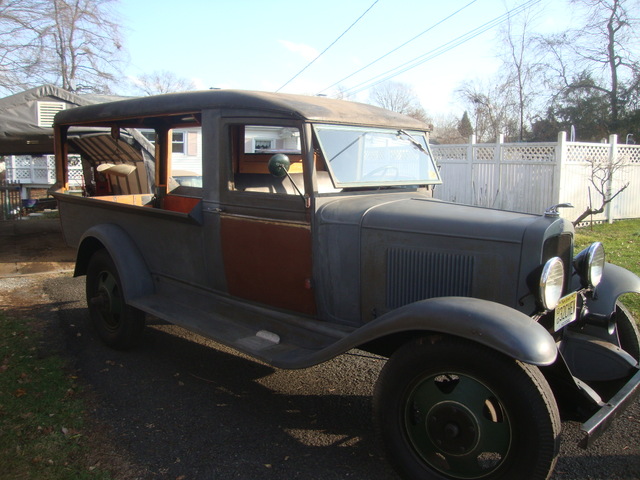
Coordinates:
264 44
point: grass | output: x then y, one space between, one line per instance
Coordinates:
41 411
621 242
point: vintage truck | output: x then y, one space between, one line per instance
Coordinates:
307 228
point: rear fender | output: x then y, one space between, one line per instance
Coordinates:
492 324
133 271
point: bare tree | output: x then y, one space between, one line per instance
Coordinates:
20 41
492 109
446 130
521 71
604 49
74 44
398 97
163 81
601 179
609 42
341 93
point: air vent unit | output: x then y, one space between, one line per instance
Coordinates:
46 112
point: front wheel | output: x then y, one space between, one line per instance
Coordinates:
117 324
627 330
452 409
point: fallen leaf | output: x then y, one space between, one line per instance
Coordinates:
21 392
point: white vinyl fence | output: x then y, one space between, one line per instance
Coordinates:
530 177
31 170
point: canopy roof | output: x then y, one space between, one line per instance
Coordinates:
300 107
23 131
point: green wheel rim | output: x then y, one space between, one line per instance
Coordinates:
457 425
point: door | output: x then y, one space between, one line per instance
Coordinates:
265 229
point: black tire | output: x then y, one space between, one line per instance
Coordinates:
448 408
627 330
118 325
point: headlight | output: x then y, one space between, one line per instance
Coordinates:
589 265
551 283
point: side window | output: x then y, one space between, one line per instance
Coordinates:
253 146
186 158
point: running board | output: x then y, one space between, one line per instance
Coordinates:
280 339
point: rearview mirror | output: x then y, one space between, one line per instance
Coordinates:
279 165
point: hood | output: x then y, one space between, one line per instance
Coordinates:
414 214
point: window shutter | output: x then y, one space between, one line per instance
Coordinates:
192 143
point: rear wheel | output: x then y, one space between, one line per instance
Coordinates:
117 324
452 409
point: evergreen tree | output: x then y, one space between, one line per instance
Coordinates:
464 126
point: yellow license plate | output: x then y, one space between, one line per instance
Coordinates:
565 311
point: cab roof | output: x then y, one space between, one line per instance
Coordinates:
279 105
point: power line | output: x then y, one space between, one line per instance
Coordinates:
372 82
331 45
399 47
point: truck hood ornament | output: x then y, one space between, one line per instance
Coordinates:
552 211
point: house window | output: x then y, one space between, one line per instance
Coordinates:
46 112
269 139
149 135
177 142
262 144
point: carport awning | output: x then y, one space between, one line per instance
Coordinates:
22 129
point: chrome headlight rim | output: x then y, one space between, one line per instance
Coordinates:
589 265
551 283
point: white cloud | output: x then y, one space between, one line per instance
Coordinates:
307 52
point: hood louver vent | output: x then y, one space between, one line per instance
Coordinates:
414 275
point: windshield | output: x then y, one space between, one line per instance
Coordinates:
360 157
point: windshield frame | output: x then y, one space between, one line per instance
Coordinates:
410 136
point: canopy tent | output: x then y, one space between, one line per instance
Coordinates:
26 118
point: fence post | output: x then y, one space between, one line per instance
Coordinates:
613 155
497 158
558 170
470 196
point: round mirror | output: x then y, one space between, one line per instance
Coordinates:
279 165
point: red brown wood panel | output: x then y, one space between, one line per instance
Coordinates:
268 262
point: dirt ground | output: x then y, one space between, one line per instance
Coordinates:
33 245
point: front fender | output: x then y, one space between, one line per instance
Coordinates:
492 324
615 282
133 271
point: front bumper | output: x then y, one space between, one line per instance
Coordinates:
600 421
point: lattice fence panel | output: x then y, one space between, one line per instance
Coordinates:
446 153
482 153
588 152
529 153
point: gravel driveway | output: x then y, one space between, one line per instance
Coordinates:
182 407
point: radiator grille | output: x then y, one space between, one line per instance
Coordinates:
414 275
